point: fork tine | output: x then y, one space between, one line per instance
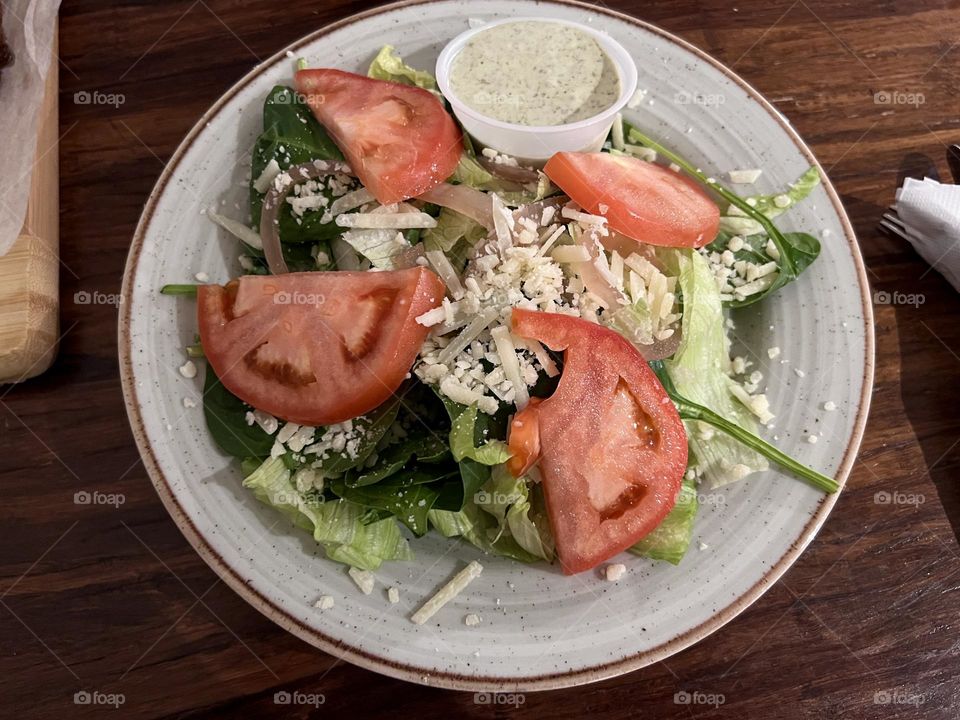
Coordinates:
892 217
893 226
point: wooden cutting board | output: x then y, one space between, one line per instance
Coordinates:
29 273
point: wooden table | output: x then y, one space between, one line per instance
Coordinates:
115 600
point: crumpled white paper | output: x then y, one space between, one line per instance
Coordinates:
930 212
28 27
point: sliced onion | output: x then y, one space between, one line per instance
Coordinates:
475 204
273 201
534 210
511 173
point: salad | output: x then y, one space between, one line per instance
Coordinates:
427 337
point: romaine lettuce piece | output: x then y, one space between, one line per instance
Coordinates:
698 370
671 539
508 499
337 525
388 65
463 442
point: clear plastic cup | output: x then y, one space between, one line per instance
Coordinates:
536 144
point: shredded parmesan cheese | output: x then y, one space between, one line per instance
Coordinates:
397 221
447 593
511 366
438 260
266 178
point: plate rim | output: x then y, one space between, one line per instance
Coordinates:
452 680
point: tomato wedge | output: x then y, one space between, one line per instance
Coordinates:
612 447
641 199
398 139
316 348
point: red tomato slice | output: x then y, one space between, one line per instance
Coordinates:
641 199
316 348
398 139
613 449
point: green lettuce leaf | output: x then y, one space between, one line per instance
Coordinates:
338 525
378 245
698 371
388 65
407 496
472 173
465 444
507 499
451 229
671 539
477 528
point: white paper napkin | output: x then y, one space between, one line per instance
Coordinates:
28 27
931 214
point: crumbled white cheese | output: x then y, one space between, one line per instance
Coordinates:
267 422
325 602
701 545
306 479
471 620
267 176
499 158
287 431
812 439
799 373
345 437
202 277
829 406
447 592
773 352
393 595
188 369
782 201
636 98
364 579
189 402
615 571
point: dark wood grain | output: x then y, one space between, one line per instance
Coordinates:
115 600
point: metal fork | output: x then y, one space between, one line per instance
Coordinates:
890 222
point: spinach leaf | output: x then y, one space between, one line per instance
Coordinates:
799 190
300 257
226 414
291 136
373 427
454 496
408 496
800 249
427 448
690 410
796 254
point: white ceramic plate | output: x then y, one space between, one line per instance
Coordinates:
540 629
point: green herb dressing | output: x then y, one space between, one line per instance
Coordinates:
535 74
